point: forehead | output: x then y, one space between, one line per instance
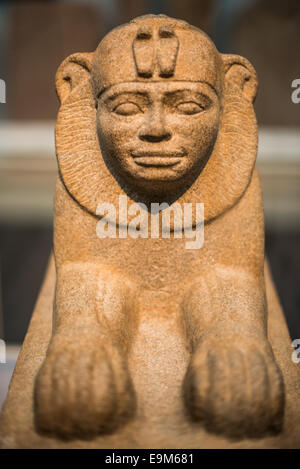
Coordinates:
159 89
156 49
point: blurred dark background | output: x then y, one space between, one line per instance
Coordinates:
35 36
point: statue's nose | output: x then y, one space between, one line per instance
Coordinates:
154 128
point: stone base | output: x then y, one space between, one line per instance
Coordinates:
162 357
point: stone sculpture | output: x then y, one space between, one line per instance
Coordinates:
151 340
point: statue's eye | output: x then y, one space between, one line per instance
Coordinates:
127 109
189 107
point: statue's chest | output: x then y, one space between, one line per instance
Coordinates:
158 263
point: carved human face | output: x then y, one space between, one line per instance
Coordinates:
158 136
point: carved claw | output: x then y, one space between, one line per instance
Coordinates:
82 392
235 388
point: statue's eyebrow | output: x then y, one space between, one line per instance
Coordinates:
186 92
211 86
115 94
202 82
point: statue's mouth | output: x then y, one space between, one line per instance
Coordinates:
158 159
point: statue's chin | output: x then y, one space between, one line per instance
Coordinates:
156 186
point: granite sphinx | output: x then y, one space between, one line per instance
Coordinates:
151 343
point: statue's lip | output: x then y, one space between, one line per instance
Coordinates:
158 154
157 161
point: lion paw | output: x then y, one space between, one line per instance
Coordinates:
81 392
235 388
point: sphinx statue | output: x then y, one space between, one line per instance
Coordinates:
138 338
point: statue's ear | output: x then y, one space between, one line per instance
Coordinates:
73 70
239 72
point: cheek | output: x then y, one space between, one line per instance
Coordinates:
115 132
200 132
